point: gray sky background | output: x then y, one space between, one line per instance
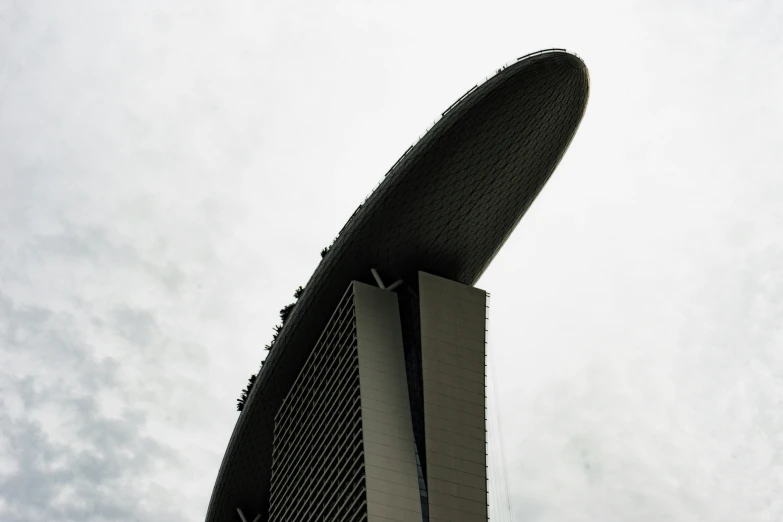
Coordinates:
170 170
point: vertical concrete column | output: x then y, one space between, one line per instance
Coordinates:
390 462
453 374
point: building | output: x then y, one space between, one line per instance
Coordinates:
371 404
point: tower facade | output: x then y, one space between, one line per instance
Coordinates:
344 445
370 406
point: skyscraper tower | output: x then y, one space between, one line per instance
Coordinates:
371 405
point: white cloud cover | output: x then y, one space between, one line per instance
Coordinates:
169 172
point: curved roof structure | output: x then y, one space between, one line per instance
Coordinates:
446 207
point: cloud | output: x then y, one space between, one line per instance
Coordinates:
137 326
68 458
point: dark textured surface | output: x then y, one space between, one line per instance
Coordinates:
318 431
445 208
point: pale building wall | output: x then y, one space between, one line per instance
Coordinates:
390 462
453 318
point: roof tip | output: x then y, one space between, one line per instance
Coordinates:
571 58
575 61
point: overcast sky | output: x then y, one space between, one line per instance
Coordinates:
170 170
